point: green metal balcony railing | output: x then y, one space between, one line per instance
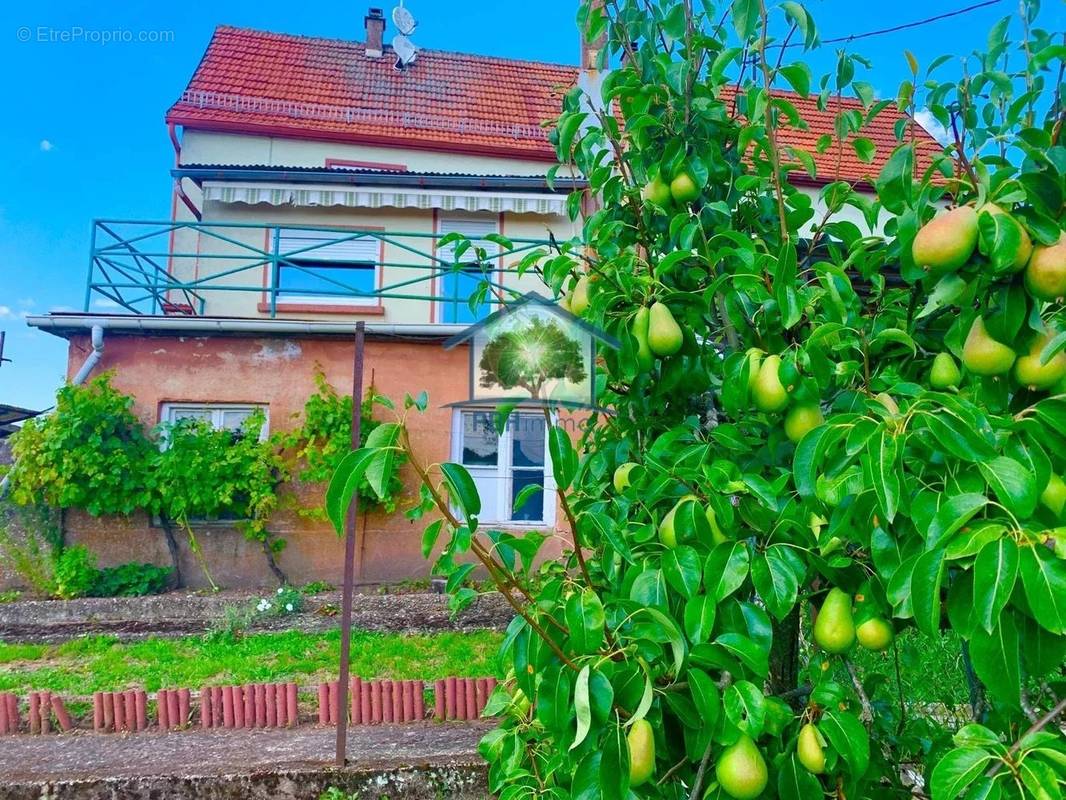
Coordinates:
186 267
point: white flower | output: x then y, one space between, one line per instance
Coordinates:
288 606
281 590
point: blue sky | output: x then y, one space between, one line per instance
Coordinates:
83 134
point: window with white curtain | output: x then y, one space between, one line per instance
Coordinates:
502 466
220 416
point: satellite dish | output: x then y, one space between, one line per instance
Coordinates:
403 20
406 51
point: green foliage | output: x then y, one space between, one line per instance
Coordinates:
75 572
333 793
91 452
929 509
317 587
203 473
324 437
131 580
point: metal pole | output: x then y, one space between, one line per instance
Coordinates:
349 558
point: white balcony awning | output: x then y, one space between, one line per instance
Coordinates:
280 194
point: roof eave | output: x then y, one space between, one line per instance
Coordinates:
412 179
538 153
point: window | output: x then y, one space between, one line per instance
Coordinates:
456 286
320 269
220 416
503 466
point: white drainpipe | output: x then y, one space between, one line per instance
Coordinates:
97 339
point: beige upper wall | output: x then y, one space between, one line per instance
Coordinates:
207 147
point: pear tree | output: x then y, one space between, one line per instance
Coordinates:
834 420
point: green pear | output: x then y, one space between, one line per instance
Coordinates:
580 299
657 191
1054 495
564 301
683 189
717 536
1025 244
1045 276
810 749
874 634
639 329
641 742
769 394
754 360
983 355
621 476
664 334
667 532
1028 370
945 372
802 418
834 630
947 241
741 770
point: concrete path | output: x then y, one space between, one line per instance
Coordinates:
242 764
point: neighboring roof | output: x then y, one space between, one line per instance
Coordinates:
10 415
328 89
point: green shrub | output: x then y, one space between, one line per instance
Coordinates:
131 580
76 573
92 453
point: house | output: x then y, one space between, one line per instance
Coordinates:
313 181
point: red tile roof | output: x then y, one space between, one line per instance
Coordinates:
256 82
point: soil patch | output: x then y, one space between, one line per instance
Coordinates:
182 614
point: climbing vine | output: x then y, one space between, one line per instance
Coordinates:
93 453
317 446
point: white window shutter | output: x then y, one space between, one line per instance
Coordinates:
324 247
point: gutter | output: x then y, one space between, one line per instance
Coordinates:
60 324
418 180
97 338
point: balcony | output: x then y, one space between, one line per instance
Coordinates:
232 269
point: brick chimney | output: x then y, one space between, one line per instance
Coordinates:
375 31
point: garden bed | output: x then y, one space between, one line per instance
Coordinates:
183 613
410 761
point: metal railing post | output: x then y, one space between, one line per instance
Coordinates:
92 267
275 272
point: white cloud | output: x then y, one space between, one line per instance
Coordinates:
104 303
46 146
925 118
6 312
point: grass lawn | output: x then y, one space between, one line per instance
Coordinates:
102 663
